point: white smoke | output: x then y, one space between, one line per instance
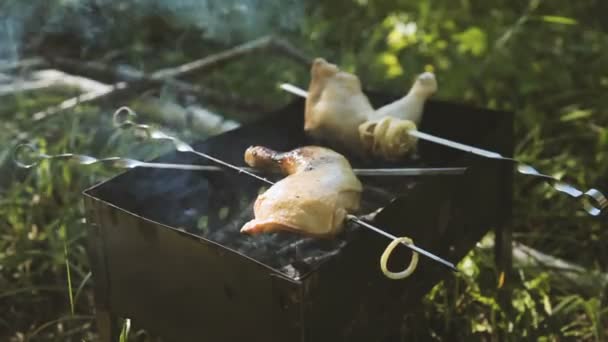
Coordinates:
10 34
8 44
229 20
226 21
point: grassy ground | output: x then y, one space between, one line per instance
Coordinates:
546 61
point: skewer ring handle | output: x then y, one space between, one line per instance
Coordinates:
387 252
26 156
122 117
594 202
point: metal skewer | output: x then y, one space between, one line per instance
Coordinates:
27 156
587 197
122 120
393 237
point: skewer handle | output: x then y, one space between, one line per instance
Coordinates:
415 248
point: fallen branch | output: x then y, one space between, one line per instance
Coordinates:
99 71
288 50
22 64
20 85
525 256
75 101
135 77
220 59
49 78
130 78
103 71
532 260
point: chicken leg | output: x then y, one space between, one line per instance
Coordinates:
411 106
319 191
335 107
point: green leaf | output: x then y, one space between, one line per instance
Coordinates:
576 115
603 139
391 63
554 19
568 304
547 305
481 326
402 35
471 40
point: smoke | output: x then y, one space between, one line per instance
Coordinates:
229 20
93 22
8 51
10 34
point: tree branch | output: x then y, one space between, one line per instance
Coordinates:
525 257
75 101
135 80
49 78
217 60
22 64
135 77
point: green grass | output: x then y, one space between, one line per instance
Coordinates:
546 61
67 270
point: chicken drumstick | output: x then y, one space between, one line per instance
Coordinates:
319 191
335 107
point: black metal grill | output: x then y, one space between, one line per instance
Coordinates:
166 251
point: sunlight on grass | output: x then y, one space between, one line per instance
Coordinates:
67 268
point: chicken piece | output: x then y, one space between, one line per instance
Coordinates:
319 191
411 106
335 107
387 138
384 134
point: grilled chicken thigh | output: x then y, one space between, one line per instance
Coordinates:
335 107
319 191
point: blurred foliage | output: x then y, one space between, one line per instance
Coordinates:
545 60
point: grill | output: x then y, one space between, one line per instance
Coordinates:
165 248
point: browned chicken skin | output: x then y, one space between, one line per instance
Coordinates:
319 191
